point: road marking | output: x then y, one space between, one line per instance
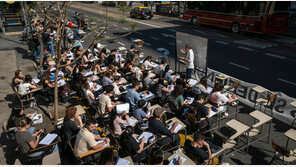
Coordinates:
168 35
154 38
121 48
221 42
286 81
289 40
211 33
148 44
113 15
256 44
246 68
275 55
125 28
249 49
138 32
121 43
171 43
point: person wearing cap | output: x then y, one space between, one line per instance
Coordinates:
156 127
188 59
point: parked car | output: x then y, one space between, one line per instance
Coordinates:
141 12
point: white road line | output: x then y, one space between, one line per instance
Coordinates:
249 49
154 38
151 25
121 48
138 32
148 44
171 43
221 42
246 68
121 43
275 55
125 28
256 44
286 81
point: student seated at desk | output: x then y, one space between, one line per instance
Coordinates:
16 115
140 114
18 78
26 140
160 68
161 91
147 80
200 148
26 86
103 54
200 111
182 81
166 75
156 157
108 157
127 68
131 53
133 96
158 128
117 121
69 125
139 72
86 140
202 86
97 67
130 144
105 103
147 63
177 98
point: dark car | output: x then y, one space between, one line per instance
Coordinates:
141 12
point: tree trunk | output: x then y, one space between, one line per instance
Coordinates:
56 95
41 49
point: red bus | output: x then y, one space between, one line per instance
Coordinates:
252 16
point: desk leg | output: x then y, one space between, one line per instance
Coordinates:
269 131
248 140
219 121
236 111
287 143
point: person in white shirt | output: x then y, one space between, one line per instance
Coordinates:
25 87
189 60
147 63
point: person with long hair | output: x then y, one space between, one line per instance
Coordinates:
69 125
146 79
161 90
26 85
202 86
107 157
177 98
103 54
166 74
97 67
128 141
119 122
147 62
18 77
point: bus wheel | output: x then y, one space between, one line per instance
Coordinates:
235 28
194 21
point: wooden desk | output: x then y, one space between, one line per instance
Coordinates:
80 110
180 152
263 118
259 89
293 103
222 79
90 152
239 127
291 134
179 122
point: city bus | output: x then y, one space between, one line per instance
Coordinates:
265 17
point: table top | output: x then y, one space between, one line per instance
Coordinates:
293 103
222 78
291 133
154 107
80 110
263 118
123 81
259 89
176 120
238 126
180 152
128 158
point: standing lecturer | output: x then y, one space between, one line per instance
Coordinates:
189 60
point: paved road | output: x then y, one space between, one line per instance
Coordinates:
266 60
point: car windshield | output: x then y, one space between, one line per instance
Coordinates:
145 9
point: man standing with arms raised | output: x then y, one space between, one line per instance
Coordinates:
189 60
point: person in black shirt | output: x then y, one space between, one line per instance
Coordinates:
79 76
130 144
200 148
130 54
156 127
69 125
200 110
182 81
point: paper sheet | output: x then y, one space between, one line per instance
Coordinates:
98 87
48 139
100 141
212 113
88 73
169 86
147 135
61 82
149 94
122 107
37 119
177 128
209 90
132 121
174 161
52 69
191 99
122 161
192 82
36 80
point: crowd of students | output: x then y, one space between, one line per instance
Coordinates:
98 77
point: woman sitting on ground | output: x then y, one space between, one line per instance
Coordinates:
18 78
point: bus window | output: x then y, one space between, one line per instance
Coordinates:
282 6
262 8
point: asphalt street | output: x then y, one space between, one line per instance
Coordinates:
266 60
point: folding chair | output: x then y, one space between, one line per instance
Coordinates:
267 103
232 88
28 97
285 155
